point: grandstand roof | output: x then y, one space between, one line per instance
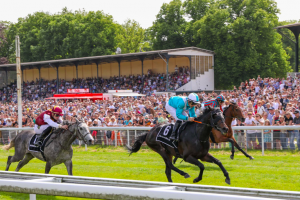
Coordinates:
149 55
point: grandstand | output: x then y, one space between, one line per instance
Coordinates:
199 61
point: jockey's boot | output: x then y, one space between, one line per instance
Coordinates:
39 140
174 135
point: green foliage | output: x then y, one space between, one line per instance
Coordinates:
64 35
3 43
131 37
243 37
168 29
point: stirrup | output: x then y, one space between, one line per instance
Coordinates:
38 144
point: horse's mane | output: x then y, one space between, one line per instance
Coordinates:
206 111
226 108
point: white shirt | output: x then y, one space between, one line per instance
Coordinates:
50 122
260 110
275 105
249 122
112 123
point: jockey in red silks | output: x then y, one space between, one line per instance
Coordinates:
214 103
46 121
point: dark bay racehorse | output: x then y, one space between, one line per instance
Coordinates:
193 143
58 151
230 112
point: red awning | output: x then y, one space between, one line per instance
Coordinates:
81 97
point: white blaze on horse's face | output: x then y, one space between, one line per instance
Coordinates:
85 132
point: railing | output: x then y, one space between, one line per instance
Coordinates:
119 136
282 139
104 188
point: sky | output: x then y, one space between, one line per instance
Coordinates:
143 11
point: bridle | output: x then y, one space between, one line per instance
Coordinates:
229 116
212 125
81 137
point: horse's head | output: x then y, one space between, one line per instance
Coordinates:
234 111
217 120
82 131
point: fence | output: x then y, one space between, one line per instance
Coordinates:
104 188
280 137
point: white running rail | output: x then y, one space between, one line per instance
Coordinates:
104 188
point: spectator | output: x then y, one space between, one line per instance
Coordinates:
240 134
249 121
276 133
267 136
296 122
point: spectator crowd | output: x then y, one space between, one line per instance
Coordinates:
147 84
264 102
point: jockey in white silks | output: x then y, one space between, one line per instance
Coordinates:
176 107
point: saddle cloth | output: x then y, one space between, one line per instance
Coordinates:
32 147
164 134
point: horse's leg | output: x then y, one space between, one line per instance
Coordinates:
196 162
69 166
8 163
231 140
211 159
12 159
48 167
23 162
169 166
241 150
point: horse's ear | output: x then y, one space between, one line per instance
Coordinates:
77 121
209 107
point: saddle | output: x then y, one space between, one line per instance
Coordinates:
164 135
32 147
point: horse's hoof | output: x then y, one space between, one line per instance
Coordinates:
251 158
187 176
231 157
227 180
196 180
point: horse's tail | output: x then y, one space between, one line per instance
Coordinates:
137 144
10 145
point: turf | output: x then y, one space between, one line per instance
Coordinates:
277 170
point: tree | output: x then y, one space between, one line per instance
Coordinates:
194 10
241 32
64 35
168 29
131 37
3 43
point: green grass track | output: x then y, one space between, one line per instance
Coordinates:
278 170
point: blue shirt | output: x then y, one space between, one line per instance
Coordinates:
181 104
126 122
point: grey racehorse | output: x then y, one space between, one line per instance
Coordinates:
59 149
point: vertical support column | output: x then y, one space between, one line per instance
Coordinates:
97 63
167 84
6 78
119 64
263 144
297 52
76 65
57 79
190 58
19 92
142 60
40 85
